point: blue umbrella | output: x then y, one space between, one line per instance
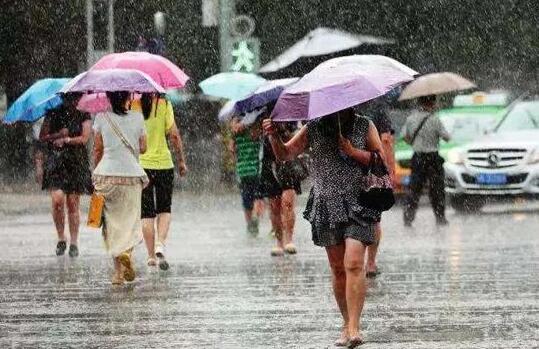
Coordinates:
231 85
36 101
267 93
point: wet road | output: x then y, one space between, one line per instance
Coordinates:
474 284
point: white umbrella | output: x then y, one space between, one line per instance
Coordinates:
227 111
321 41
366 61
435 84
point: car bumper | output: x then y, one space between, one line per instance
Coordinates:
521 181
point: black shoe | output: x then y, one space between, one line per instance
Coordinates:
73 251
61 248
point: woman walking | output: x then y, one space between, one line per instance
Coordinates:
158 165
119 139
281 193
67 168
338 143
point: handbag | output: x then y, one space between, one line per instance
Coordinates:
378 191
288 172
95 211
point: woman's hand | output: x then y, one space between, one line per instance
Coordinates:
268 126
346 146
60 142
182 168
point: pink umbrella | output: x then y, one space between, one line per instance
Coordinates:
94 103
163 71
98 102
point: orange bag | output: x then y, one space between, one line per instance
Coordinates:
95 211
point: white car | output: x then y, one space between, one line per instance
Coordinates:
504 163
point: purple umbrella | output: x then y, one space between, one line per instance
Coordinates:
267 93
95 81
329 89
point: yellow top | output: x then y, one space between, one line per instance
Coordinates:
161 119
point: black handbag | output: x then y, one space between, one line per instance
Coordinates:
378 193
292 171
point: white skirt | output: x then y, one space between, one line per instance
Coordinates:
122 227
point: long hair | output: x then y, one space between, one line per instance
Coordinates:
118 101
342 121
146 102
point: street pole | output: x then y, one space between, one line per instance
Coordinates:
111 26
227 11
89 32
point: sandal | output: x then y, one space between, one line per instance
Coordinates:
118 279
129 270
355 342
277 251
373 274
290 248
151 262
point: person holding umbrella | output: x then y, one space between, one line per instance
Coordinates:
67 169
342 147
423 131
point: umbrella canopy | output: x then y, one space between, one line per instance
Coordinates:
98 102
330 89
35 101
95 81
373 61
227 111
231 85
267 93
435 84
163 71
321 41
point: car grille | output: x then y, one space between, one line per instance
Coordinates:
512 179
495 158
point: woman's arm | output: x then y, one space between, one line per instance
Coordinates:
142 144
45 136
292 148
79 140
175 139
98 148
374 144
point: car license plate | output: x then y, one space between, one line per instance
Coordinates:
491 178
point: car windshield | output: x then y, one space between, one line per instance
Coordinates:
464 127
524 116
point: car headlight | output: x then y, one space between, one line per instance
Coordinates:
455 156
534 156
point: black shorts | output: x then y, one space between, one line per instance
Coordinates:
157 196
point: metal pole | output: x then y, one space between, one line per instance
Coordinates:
89 32
111 26
226 13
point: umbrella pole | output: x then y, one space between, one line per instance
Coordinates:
339 124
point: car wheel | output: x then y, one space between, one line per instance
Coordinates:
466 204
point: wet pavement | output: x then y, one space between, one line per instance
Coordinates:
473 284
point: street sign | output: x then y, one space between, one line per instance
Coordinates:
245 54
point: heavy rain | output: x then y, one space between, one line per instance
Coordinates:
269 174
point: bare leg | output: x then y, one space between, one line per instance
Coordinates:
73 217
338 279
372 250
288 214
148 231
354 259
259 208
58 212
275 217
163 226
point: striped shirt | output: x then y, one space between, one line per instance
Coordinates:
247 156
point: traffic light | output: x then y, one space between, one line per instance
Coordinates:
245 55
